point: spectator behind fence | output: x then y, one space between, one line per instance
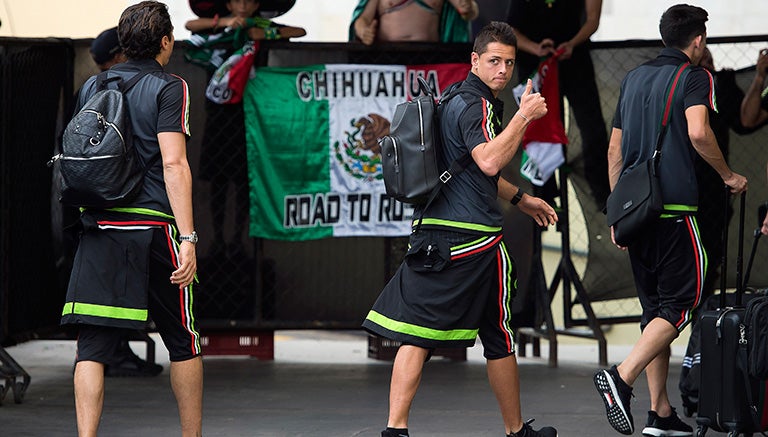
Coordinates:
106 52
543 27
139 260
754 107
223 157
457 279
412 20
667 259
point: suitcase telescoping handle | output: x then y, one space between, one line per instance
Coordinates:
740 248
756 234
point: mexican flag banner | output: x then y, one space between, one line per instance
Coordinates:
314 162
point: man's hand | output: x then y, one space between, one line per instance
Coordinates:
764 229
613 238
545 48
761 68
737 182
468 9
565 50
532 105
185 274
367 32
537 208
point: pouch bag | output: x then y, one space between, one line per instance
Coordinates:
426 253
634 202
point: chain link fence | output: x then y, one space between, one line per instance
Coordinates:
328 283
331 283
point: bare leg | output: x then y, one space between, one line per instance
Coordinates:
653 344
89 396
505 382
187 384
406 376
657 372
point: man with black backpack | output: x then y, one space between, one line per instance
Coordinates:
136 257
457 280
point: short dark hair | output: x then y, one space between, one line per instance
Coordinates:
680 24
495 31
142 27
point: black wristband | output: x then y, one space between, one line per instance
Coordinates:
517 197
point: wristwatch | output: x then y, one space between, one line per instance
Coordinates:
192 238
517 197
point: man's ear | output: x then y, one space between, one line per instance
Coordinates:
698 40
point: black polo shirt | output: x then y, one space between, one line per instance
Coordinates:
468 202
639 114
159 102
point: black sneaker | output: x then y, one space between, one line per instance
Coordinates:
666 426
390 432
527 431
616 395
128 364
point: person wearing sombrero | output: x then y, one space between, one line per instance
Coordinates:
227 32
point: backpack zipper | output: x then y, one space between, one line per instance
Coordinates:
397 154
421 126
103 121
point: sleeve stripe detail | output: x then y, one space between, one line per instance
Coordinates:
185 106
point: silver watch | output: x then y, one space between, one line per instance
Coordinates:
192 238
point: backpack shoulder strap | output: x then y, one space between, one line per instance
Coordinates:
128 84
103 79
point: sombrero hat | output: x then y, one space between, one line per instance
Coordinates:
267 8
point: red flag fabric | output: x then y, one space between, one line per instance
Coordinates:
544 138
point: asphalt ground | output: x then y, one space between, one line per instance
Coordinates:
321 383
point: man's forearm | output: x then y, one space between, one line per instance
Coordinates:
526 44
178 185
506 189
750 106
494 155
708 149
592 23
615 159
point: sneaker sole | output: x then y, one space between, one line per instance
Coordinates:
656 432
617 415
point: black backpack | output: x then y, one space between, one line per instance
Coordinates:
409 153
98 163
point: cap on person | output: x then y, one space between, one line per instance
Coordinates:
105 46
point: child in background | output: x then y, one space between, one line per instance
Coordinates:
223 157
243 15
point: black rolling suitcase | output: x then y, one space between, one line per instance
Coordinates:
690 373
729 401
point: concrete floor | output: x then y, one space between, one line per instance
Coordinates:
321 383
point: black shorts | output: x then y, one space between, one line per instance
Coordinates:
669 263
121 277
449 289
99 343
